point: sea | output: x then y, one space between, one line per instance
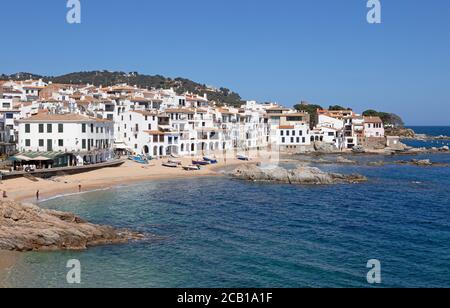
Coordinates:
220 232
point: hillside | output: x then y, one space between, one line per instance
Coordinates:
105 78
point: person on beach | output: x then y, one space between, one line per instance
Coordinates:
5 195
37 195
79 187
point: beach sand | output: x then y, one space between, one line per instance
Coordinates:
24 190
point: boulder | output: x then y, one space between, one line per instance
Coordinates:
358 149
30 228
323 147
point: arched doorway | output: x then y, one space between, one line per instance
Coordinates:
155 151
193 147
182 147
146 150
161 151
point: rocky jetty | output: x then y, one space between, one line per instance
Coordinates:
30 228
302 175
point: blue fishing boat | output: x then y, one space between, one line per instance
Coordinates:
201 162
138 159
210 159
242 157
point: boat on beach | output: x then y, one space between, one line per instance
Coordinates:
242 157
175 161
191 168
201 162
212 160
170 165
138 159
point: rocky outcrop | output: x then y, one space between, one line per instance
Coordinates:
406 133
345 161
30 228
421 163
302 175
323 147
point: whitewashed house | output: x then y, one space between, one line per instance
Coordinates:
91 139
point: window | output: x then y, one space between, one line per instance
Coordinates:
83 143
60 142
303 140
298 139
49 128
149 127
27 128
292 139
293 133
283 140
41 143
282 133
60 128
300 133
41 128
92 128
27 142
83 128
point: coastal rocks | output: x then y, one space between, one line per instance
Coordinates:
323 147
302 175
358 149
405 133
423 150
30 228
343 160
421 163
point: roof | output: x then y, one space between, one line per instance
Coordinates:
287 127
373 120
180 110
154 132
68 117
145 113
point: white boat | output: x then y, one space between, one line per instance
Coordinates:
175 161
191 168
174 156
170 165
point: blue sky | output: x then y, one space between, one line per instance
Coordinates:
322 51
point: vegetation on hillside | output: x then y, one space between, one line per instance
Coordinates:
311 109
106 78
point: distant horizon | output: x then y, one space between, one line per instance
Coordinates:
324 52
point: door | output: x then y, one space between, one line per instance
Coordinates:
49 145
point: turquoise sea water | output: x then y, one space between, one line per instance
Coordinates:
218 232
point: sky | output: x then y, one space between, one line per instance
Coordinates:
321 51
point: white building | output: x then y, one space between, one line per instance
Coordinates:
90 138
373 127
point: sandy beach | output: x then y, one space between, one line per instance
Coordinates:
24 190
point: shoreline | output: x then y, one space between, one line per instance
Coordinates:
24 190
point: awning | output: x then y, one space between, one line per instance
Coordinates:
121 146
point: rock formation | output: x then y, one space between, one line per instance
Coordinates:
30 228
323 147
301 175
